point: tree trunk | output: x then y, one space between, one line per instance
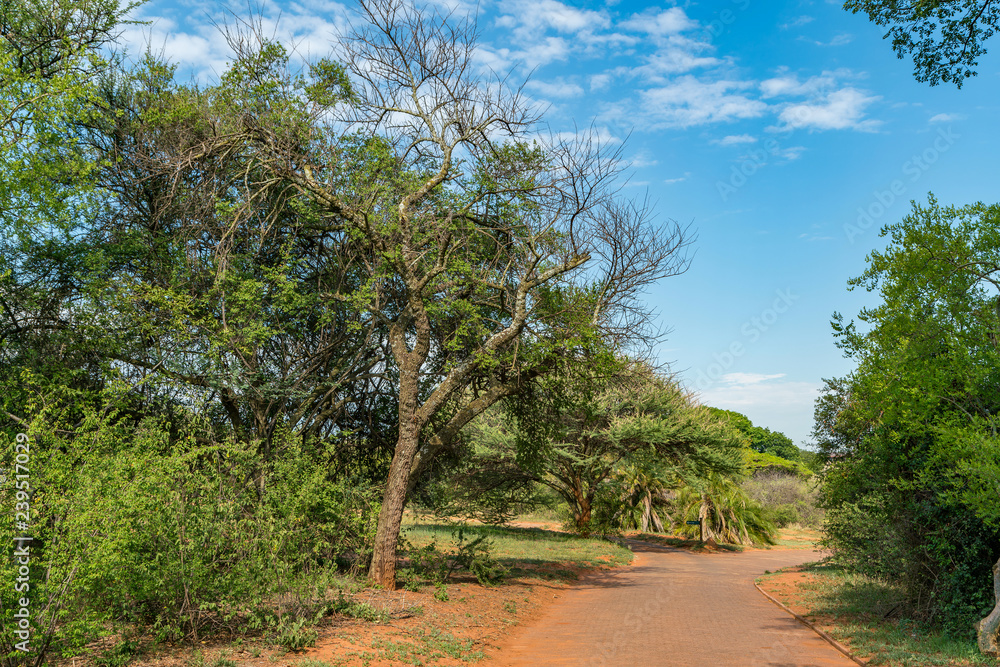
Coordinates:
988 629
383 568
382 571
582 511
705 531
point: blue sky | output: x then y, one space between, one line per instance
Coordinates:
787 133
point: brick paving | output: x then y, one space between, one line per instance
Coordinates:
673 607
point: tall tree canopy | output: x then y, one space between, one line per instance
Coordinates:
916 422
945 38
374 250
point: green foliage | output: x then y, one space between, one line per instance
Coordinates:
727 513
119 655
478 477
146 525
911 485
766 461
944 38
613 433
788 498
296 634
437 565
349 607
760 439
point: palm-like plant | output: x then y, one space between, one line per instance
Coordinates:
643 490
726 512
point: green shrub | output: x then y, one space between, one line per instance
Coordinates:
789 498
784 515
757 462
153 525
476 556
296 634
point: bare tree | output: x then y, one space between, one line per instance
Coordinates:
484 250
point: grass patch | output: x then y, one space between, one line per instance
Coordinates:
533 552
429 644
868 615
798 537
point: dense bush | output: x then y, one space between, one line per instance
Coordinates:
789 499
149 526
938 552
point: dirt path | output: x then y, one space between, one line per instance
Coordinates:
672 607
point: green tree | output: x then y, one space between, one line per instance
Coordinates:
483 254
766 441
725 512
384 247
758 438
601 428
915 422
945 38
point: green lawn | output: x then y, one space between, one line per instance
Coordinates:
528 551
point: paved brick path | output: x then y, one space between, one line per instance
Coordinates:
673 607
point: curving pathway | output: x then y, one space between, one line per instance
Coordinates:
673 607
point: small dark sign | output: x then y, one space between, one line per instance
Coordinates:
693 523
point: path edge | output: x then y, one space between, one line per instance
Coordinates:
833 642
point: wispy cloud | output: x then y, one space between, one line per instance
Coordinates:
740 391
735 140
946 117
533 16
690 101
660 23
839 110
797 22
557 88
836 40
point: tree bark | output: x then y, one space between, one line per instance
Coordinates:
583 508
988 629
382 571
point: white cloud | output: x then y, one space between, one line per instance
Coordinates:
556 88
642 160
791 153
600 82
748 378
675 58
842 109
531 16
688 101
600 136
782 405
679 179
946 118
735 140
837 40
797 22
667 22
790 85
